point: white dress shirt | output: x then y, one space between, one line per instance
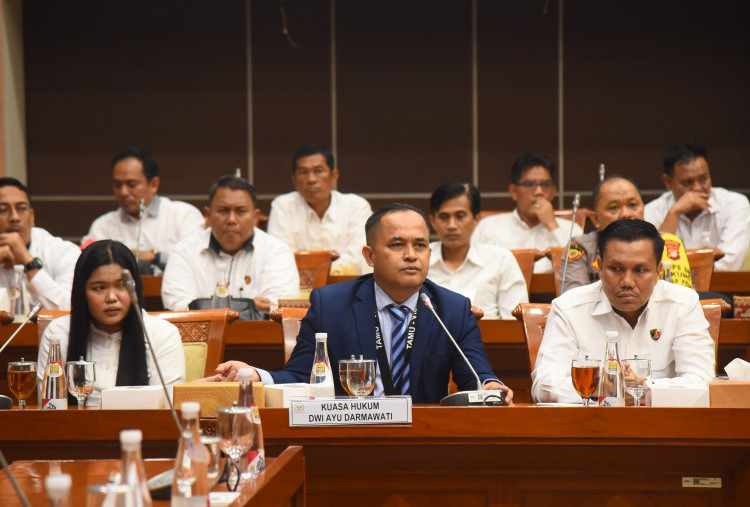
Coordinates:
726 225
510 231
50 285
165 223
104 349
578 322
489 276
264 268
342 228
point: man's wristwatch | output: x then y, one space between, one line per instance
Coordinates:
36 263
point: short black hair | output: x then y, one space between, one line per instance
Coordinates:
526 162
598 187
682 153
630 230
374 220
12 182
450 190
233 183
150 167
313 149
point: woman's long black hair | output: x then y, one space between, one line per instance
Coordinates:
132 369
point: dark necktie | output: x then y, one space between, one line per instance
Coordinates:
399 365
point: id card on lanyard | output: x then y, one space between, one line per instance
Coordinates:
385 368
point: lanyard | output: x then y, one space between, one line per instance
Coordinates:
385 369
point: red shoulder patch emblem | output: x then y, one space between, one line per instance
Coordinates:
576 251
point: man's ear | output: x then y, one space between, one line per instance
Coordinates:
513 191
154 183
593 218
667 180
367 254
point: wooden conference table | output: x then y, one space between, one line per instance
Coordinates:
283 481
525 455
261 343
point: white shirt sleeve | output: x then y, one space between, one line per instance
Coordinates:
734 233
512 288
551 380
165 338
52 284
277 224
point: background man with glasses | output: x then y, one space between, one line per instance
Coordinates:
533 223
47 261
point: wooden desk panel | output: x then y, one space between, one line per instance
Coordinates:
525 455
284 480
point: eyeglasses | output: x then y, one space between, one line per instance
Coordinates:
532 184
21 210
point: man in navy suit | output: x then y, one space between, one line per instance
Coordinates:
354 313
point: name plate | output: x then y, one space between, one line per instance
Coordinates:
344 411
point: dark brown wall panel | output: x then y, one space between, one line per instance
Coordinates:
641 75
517 84
404 88
291 87
163 75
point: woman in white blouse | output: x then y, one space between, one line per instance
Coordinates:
103 326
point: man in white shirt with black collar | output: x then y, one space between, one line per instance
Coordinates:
701 215
135 176
48 261
232 250
316 216
655 320
533 223
488 275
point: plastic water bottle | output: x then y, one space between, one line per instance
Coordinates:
611 382
321 377
220 299
133 472
255 461
58 489
55 393
19 299
190 485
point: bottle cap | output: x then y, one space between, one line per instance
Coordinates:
321 336
57 485
190 409
245 374
612 336
130 440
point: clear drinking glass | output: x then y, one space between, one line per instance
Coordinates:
81 377
343 364
360 377
214 461
235 429
585 375
636 371
22 380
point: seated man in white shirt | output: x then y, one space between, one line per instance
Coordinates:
487 274
701 215
655 319
231 251
135 176
316 216
533 223
48 261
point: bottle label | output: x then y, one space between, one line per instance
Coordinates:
256 461
611 401
320 368
54 369
612 367
54 404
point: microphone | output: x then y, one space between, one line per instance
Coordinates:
130 285
141 211
466 398
12 478
576 204
601 171
32 313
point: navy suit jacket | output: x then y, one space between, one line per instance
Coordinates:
346 311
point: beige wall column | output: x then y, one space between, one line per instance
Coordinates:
12 97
